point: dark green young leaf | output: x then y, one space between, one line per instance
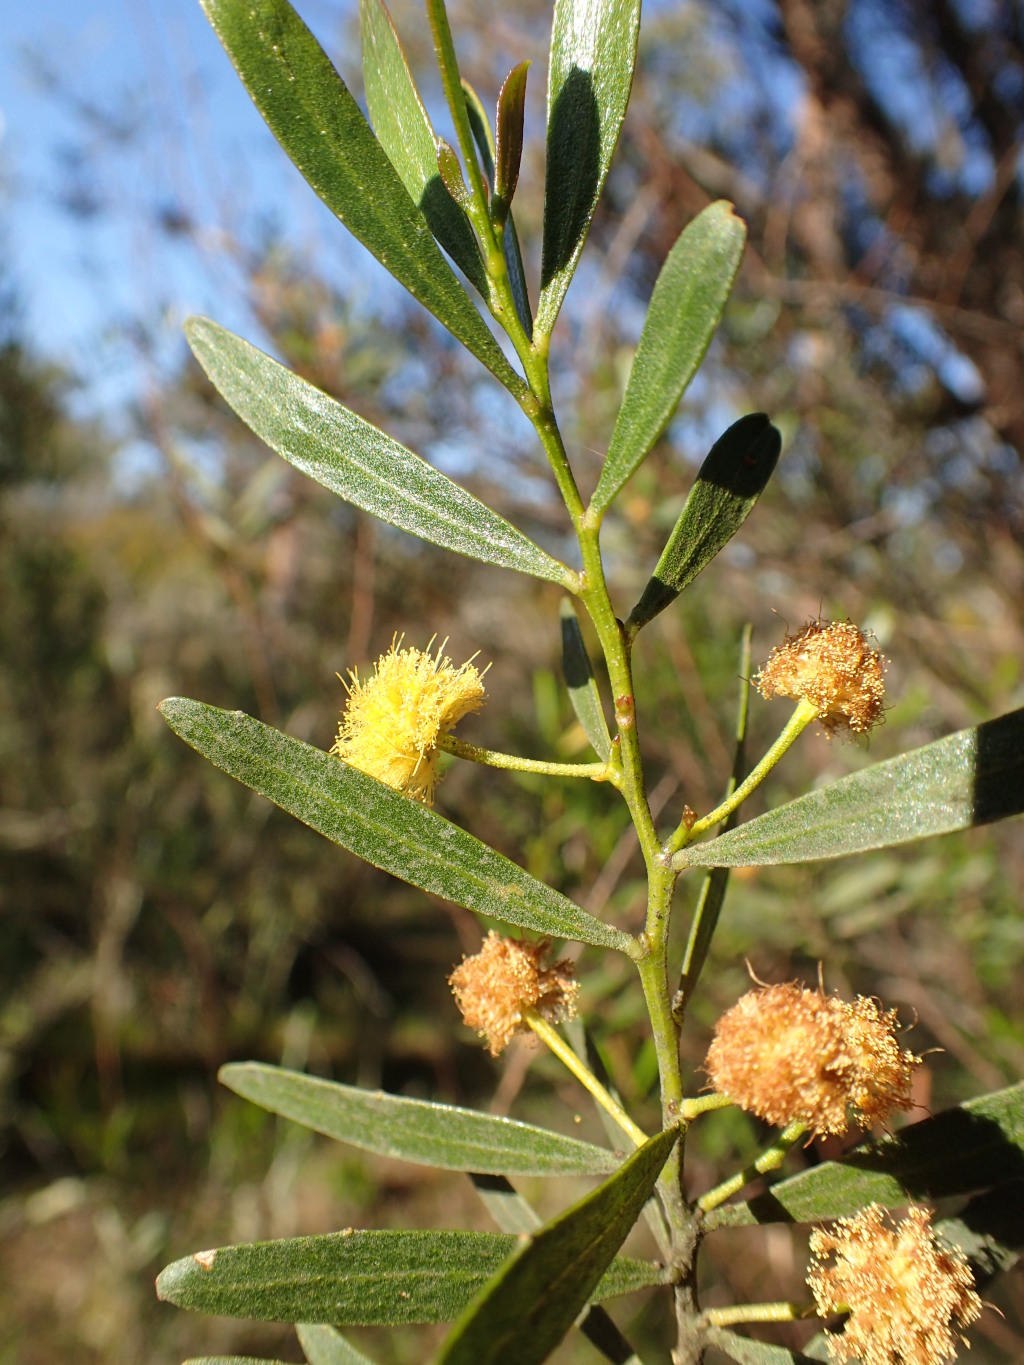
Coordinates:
510 240
989 1231
481 129
359 1278
974 1146
970 778
712 893
357 460
314 117
517 275
389 830
749 1352
508 146
686 305
323 1345
528 1306
405 132
702 929
415 1130
581 684
512 1213
729 483
590 72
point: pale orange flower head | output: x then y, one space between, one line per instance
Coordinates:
832 666
393 721
494 986
907 1294
792 1055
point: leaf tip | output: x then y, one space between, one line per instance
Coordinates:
227 1072
172 1279
195 322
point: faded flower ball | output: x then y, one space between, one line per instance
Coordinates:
832 666
904 1291
393 720
494 986
794 1055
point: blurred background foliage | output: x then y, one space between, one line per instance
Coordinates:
156 920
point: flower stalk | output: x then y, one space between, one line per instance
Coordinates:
769 1160
493 758
798 722
780 1311
553 1040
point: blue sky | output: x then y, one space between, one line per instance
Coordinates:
190 139
196 142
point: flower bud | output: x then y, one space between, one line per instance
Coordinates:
833 667
494 986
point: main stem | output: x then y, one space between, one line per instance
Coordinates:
652 965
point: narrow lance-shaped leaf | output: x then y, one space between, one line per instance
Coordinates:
232 1360
359 1278
481 130
512 1213
357 460
590 72
312 114
484 140
970 778
581 684
420 1131
687 302
530 1303
407 136
724 493
323 1345
450 171
989 1230
712 893
379 825
508 143
747 1351
970 1147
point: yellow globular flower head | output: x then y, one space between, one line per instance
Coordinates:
393 720
791 1055
494 986
832 666
904 1291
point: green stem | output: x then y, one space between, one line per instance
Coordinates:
493 758
549 1035
759 1312
703 1104
546 427
652 958
798 722
769 1160
452 83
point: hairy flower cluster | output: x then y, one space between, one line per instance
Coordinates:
494 986
904 1291
794 1055
393 720
832 666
